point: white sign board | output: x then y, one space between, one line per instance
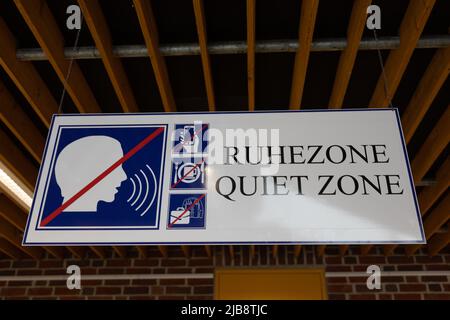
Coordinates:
314 176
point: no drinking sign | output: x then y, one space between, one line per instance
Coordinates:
314 176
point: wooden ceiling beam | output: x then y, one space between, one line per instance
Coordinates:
200 21
13 235
16 162
163 250
297 251
101 252
10 250
150 33
411 28
121 251
252 251
231 251
320 250
12 213
56 251
12 115
78 252
429 86
433 146
25 77
438 217
143 251
208 250
348 55
98 27
186 251
343 249
251 40
17 217
275 251
438 242
44 27
434 220
429 195
365 249
306 31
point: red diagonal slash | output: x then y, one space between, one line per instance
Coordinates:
192 169
187 209
91 184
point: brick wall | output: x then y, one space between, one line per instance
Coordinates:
393 287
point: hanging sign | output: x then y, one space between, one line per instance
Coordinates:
315 176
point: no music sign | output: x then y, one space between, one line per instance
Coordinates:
315 176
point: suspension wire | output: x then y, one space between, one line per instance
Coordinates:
75 47
380 59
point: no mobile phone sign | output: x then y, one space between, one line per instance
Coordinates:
208 178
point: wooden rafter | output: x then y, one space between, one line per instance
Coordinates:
231 251
186 251
429 195
17 217
13 158
150 32
57 252
121 251
306 30
12 213
348 56
438 242
101 252
142 251
433 146
78 252
429 86
364 250
436 219
343 249
252 251
208 250
98 27
25 77
12 115
411 27
297 251
320 250
10 250
45 29
200 21
14 236
275 251
163 250
251 31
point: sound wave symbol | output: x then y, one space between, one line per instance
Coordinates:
139 187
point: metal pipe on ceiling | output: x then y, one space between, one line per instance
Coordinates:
236 47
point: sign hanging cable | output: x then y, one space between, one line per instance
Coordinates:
69 70
380 59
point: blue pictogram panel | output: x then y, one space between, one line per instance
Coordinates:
189 165
187 211
105 177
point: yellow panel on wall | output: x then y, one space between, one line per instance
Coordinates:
270 284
